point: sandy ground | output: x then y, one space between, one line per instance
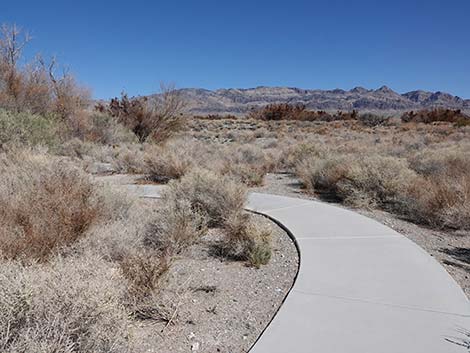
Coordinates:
451 249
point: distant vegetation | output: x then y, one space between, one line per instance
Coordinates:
276 112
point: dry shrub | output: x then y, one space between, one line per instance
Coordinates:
294 154
370 181
436 115
144 271
285 111
72 305
129 159
451 162
158 119
246 240
216 196
440 201
176 226
171 161
441 197
248 164
35 87
102 129
44 204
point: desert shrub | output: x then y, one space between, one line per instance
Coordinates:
214 195
372 181
285 111
144 271
436 115
293 154
369 119
440 201
129 159
450 162
171 161
246 240
156 119
72 305
441 197
44 204
28 129
104 129
248 164
176 225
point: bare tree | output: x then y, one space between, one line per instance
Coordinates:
157 118
12 42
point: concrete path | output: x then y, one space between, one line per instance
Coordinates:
361 287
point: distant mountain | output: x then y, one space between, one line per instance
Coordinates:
385 100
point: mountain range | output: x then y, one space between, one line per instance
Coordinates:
382 100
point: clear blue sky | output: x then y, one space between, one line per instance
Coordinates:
134 45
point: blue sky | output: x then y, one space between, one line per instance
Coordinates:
134 45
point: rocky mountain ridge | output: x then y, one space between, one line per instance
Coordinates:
382 100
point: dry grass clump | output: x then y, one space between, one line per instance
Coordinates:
44 204
72 305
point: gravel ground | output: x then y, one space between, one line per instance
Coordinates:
451 249
222 306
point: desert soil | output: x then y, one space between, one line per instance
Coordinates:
451 249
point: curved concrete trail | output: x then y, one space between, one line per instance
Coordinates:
361 287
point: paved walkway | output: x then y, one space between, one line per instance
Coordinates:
361 287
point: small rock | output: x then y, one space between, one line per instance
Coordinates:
195 346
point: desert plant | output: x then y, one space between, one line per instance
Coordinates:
216 196
35 87
44 204
144 271
440 201
158 119
28 129
436 115
372 181
248 164
246 240
172 161
72 305
176 226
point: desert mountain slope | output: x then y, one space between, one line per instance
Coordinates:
239 101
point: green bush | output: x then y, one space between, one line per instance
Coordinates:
28 129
